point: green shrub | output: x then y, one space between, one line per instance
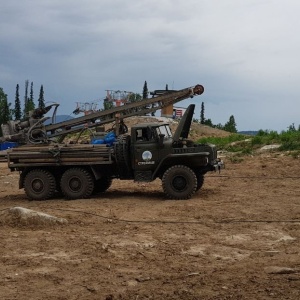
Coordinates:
257 140
222 142
289 140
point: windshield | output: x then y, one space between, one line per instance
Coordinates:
165 129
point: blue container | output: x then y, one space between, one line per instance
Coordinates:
8 145
109 139
98 141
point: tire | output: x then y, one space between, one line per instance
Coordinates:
179 182
39 184
200 181
77 183
102 184
122 155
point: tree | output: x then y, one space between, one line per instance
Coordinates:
28 102
17 110
292 127
145 91
208 122
26 98
41 100
134 98
107 104
230 125
4 109
219 126
202 118
31 105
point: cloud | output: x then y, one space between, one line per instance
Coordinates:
245 53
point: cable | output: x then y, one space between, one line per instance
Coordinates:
130 221
251 177
258 221
121 220
169 222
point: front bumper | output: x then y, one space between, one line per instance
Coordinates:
218 165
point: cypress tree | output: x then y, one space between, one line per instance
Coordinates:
31 105
145 91
41 100
4 109
17 111
26 98
202 119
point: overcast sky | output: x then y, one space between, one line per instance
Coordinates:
244 52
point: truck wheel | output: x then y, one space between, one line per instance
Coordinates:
122 155
179 182
77 183
102 184
200 181
39 184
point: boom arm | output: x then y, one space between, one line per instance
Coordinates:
40 134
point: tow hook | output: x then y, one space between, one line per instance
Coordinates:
218 165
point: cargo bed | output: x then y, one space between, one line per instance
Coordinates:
59 155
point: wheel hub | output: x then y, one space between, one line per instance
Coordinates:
179 183
75 184
37 185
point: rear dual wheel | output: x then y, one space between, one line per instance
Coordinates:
77 183
39 184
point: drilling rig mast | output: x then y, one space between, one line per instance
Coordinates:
34 131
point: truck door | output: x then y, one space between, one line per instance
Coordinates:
145 150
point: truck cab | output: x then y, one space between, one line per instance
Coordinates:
150 143
180 163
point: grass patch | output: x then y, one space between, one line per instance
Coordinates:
289 141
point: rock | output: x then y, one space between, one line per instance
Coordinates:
132 283
280 270
269 147
24 216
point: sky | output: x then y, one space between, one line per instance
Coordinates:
246 54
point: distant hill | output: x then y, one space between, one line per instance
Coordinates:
248 132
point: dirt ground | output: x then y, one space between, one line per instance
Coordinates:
237 238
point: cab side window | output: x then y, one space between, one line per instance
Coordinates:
139 135
144 135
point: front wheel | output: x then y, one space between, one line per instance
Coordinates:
200 181
39 184
77 183
179 182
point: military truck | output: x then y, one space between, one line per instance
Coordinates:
149 152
